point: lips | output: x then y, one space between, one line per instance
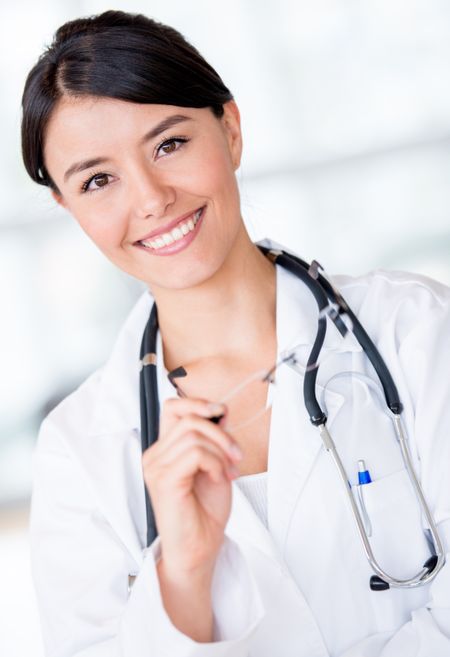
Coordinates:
177 239
168 227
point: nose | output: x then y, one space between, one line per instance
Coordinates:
151 194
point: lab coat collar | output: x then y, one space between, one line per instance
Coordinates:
297 314
117 406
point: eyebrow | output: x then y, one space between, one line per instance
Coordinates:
163 125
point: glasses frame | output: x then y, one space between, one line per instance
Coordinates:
263 375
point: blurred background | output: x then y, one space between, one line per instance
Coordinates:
345 109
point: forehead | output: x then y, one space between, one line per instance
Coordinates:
88 123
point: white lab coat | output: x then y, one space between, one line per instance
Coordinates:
300 588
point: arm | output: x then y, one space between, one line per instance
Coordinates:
80 570
188 603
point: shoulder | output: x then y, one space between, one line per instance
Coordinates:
398 309
383 289
396 302
76 410
108 398
389 288
407 316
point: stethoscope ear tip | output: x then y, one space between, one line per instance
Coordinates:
378 584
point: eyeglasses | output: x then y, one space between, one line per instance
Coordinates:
257 391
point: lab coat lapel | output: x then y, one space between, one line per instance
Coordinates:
293 451
110 452
246 528
294 442
112 462
284 472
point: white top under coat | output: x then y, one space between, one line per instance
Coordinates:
254 487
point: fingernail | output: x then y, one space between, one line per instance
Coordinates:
236 451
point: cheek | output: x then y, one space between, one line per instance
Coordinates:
210 171
103 227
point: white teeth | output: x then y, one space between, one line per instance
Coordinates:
175 234
167 238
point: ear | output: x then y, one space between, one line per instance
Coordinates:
232 124
59 198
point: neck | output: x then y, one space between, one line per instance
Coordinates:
231 314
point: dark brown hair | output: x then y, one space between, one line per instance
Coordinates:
118 55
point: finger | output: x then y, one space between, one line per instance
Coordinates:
165 458
215 433
181 464
173 409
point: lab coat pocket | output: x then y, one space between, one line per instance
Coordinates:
398 544
393 515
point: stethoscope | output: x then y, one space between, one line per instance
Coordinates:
330 304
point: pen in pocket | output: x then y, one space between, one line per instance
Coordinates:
363 479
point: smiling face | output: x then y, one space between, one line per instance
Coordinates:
160 165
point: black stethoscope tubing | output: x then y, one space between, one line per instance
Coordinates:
324 294
149 406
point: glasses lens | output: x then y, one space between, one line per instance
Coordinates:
249 400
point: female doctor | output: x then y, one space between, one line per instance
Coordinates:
257 552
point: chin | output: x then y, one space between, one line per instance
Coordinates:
188 275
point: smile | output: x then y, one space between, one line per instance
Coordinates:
177 234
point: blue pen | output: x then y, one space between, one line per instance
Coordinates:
363 474
364 478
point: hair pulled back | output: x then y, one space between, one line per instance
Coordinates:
118 55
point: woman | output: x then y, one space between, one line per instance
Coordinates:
139 139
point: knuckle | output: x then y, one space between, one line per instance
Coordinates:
189 417
191 436
184 424
197 451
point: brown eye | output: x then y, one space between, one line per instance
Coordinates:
101 180
169 147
